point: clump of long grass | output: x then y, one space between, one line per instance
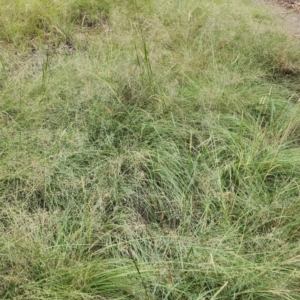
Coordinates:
149 150
50 22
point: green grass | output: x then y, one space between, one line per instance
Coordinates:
148 150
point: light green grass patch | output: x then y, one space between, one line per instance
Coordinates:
148 150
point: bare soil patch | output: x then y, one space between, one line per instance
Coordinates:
288 11
290 4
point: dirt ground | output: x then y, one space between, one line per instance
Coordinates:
288 11
290 4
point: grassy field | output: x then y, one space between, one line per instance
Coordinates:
149 149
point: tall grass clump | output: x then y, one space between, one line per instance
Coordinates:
51 22
148 150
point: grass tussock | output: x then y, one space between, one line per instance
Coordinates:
148 150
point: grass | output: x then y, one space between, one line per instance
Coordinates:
148 150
